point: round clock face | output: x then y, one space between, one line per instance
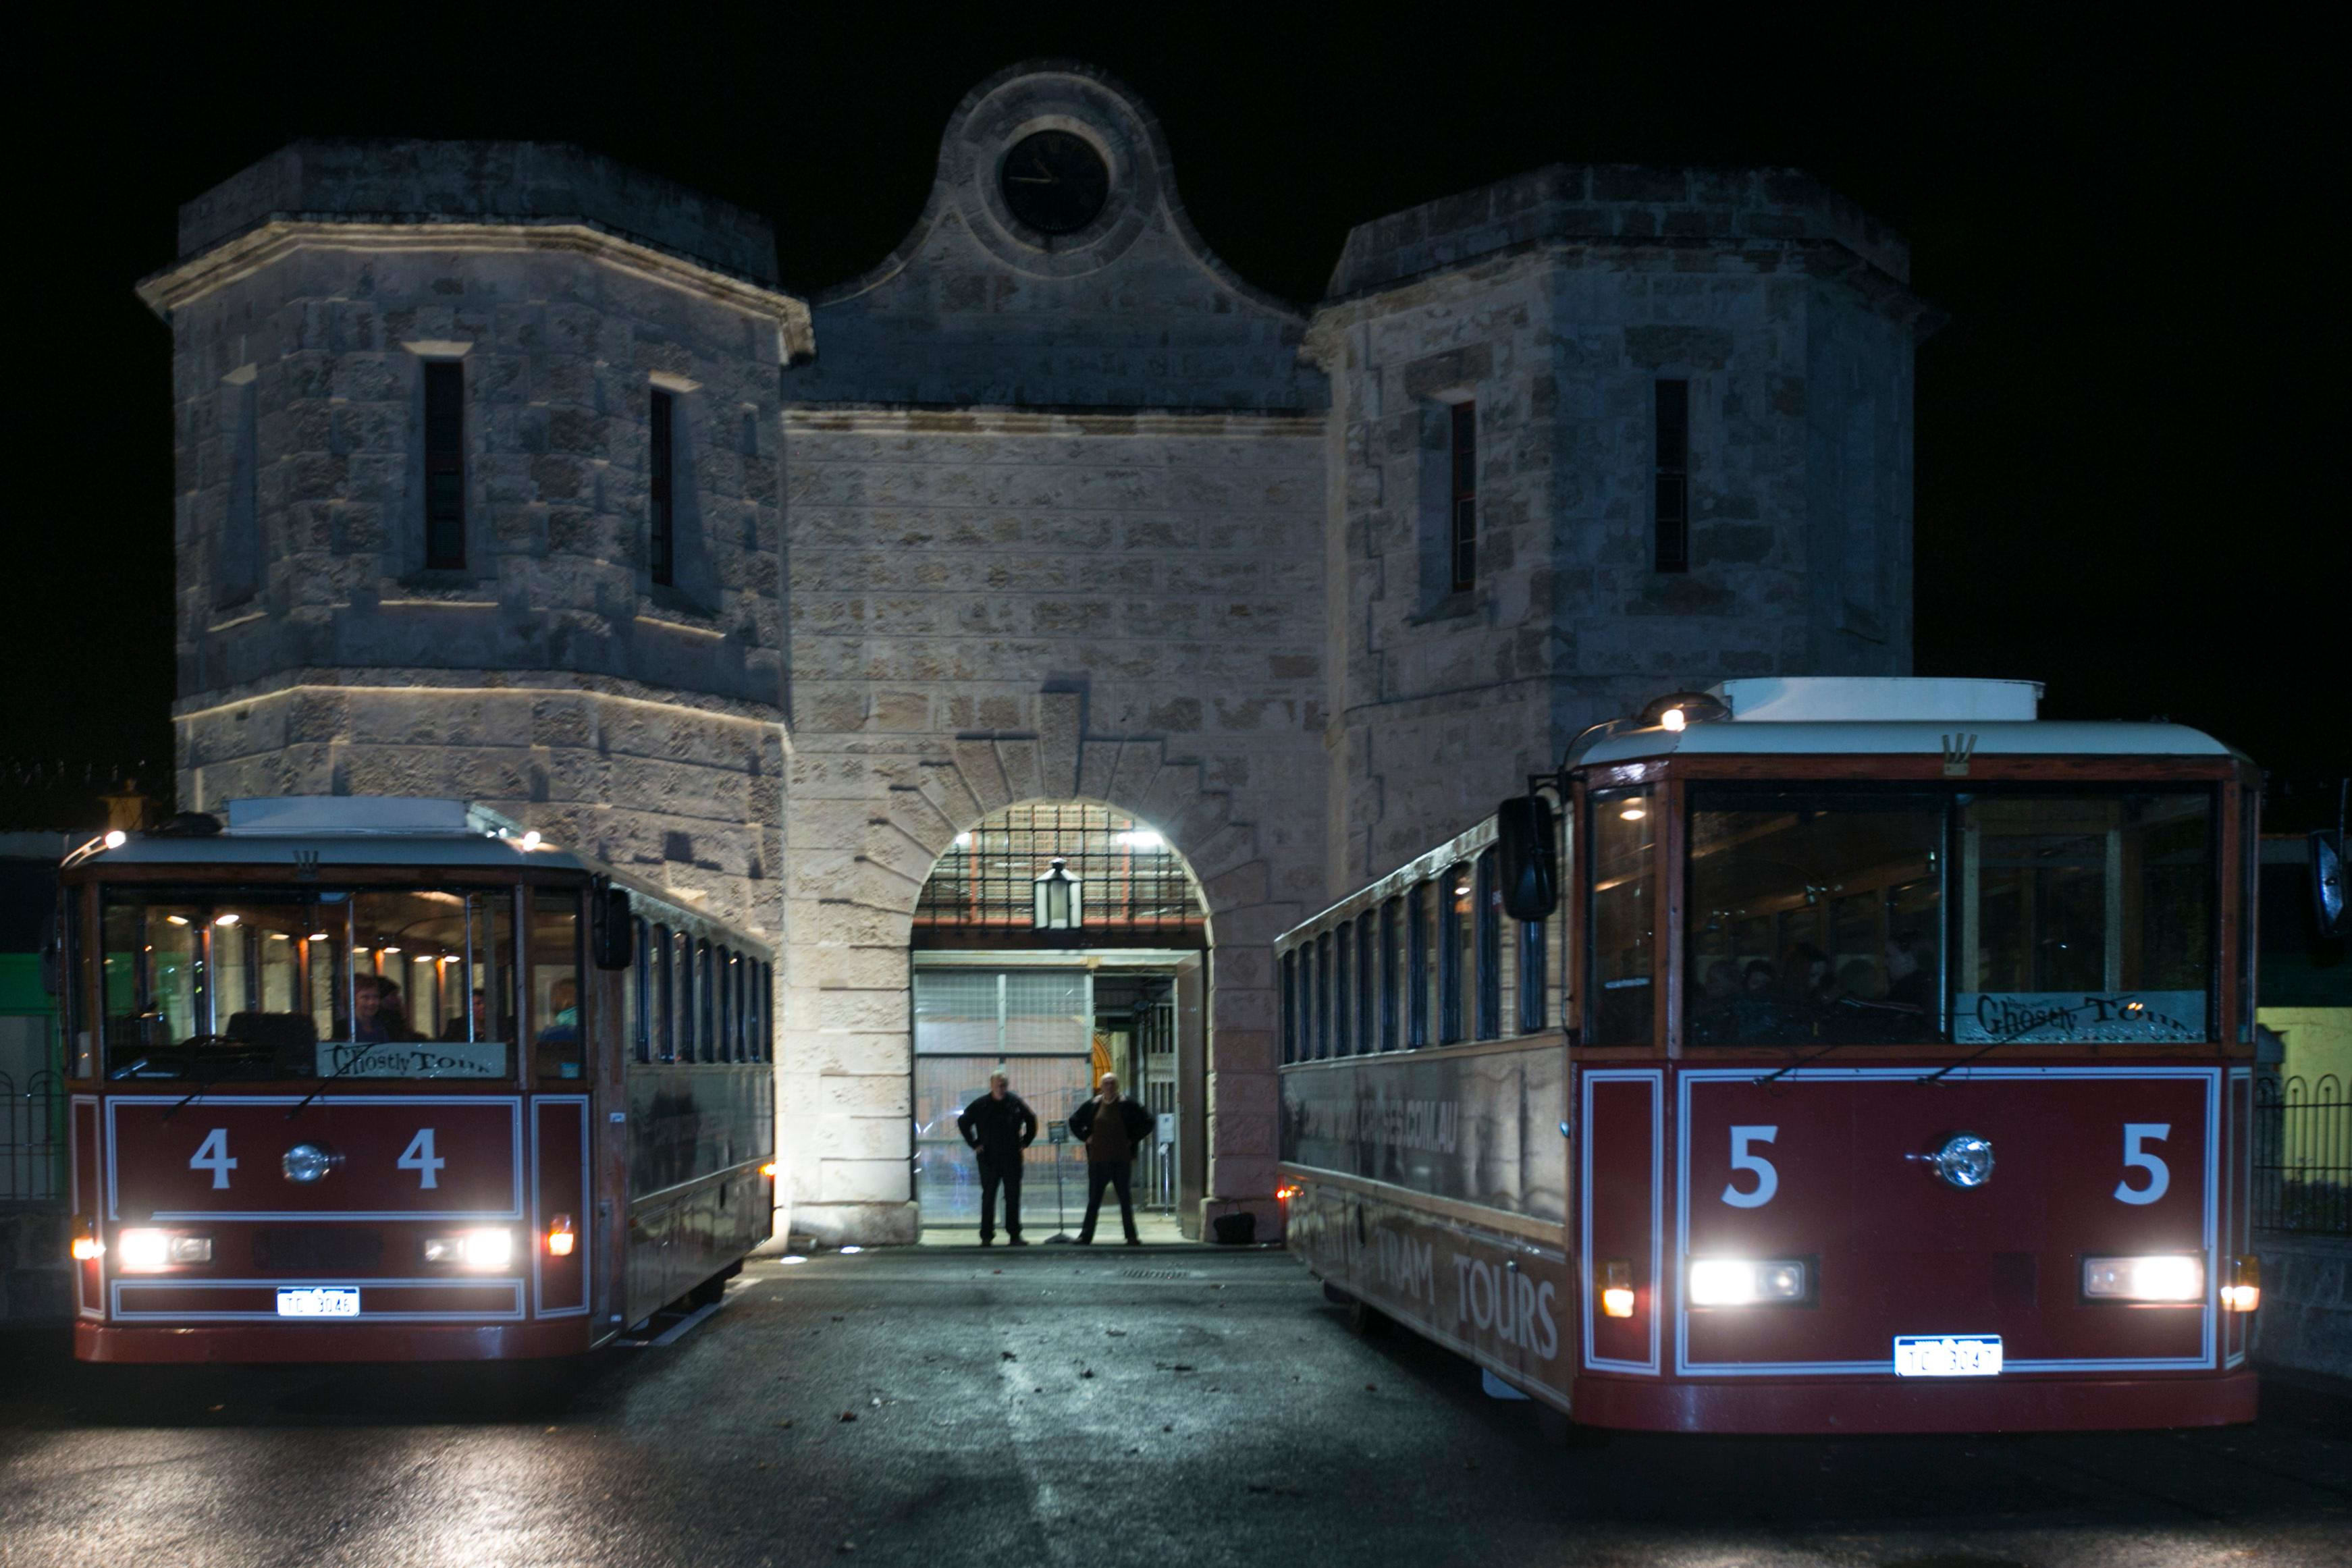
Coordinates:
1053 182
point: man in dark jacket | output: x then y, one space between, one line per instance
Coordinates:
998 1126
1112 1127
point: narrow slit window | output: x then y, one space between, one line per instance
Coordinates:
445 464
661 514
1343 1040
1391 971
1290 1007
1672 504
1417 986
1462 511
1367 961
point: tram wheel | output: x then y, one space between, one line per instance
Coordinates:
707 1294
1366 1320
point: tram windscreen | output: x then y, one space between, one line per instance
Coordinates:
1976 917
220 983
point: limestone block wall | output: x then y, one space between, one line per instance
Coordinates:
994 607
688 792
1555 302
330 326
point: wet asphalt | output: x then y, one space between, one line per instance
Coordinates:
1118 1405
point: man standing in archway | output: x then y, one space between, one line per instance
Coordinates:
1112 1127
998 1126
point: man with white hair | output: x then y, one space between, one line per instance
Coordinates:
1112 1127
998 1126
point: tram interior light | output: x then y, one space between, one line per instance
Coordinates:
2243 1293
2165 1277
1745 1281
478 1249
1617 1289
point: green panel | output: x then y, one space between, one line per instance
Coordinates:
20 985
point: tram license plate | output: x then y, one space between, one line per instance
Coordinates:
319 1301
1947 1355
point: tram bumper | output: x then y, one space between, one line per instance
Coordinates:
1891 1405
152 1344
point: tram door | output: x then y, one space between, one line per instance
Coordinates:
1037 1025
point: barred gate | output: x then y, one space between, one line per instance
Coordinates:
32 1139
2302 1156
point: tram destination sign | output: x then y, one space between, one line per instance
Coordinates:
412 1059
2065 1017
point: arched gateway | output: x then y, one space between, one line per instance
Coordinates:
921 902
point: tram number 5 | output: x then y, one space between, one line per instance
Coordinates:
1768 1180
419 1157
2136 1136
212 1155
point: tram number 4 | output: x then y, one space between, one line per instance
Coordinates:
2137 1136
419 1157
212 1155
1768 1180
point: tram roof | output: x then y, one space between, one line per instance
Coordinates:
372 830
1897 738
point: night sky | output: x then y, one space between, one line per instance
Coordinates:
2128 451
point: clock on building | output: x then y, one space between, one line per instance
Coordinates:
1053 182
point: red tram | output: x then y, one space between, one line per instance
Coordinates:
385 1080
1886 1066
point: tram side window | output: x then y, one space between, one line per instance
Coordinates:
767 1011
641 997
2085 916
1322 996
1343 1039
1290 1006
1623 919
665 993
1454 959
682 1024
1486 888
1421 980
704 1033
1814 914
1367 960
1532 981
1392 972
556 1037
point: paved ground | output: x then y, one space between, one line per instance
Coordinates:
1146 1407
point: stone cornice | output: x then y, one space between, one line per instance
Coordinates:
267 242
475 683
911 420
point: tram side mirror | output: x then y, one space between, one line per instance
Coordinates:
2328 884
1523 850
609 940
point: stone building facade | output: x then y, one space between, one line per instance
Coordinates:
1047 506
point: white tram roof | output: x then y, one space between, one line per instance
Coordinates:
1893 714
372 830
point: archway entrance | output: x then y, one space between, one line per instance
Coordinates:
1120 990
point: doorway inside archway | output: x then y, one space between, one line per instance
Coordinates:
1000 986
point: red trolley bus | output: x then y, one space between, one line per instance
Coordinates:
379 1080
1886 1066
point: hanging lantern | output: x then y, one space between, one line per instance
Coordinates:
1056 899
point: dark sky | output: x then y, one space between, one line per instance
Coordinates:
2127 445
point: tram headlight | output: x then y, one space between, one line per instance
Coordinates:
1746 1282
145 1251
477 1250
2163 1277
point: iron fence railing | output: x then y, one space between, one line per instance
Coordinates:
32 1139
2302 1156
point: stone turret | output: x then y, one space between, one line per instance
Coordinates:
414 391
